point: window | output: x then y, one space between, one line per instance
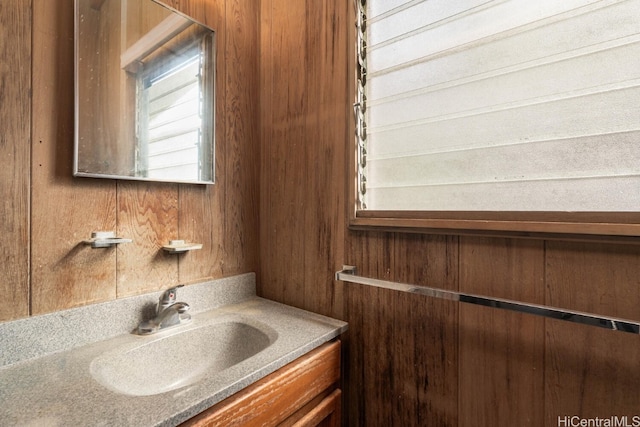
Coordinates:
499 115
169 116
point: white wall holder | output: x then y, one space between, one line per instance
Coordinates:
105 239
181 246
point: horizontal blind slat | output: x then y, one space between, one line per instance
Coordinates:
589 157
608 112
618 194
488 27
618 59
412 16
435 108
515 96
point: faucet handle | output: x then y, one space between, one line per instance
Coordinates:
168 297
181 307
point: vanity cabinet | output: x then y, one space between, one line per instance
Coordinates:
304 393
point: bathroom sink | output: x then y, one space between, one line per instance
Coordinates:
176 358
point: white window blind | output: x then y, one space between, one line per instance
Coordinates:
170 120
504 105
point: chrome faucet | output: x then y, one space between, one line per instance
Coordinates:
168 313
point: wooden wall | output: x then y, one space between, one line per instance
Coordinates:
302 181
411 360
15 114
46 213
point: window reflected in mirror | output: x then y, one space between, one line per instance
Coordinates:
144 93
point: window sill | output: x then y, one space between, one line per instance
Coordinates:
619 227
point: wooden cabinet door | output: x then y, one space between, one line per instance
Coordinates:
326 414
285 397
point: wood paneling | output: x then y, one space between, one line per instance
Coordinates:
15 128
62 271
241 138
285 186
592 372
402 366
410 360
147 214
326 55
303 93
501 353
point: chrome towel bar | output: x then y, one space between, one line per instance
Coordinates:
348 274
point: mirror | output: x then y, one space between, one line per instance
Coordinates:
144 93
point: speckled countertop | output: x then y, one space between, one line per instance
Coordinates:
46 361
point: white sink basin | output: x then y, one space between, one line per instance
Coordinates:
178 357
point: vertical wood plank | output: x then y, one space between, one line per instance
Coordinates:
200 221
430 386
370 252
303 155
353 356
147 214
265 286
65 273
284 173
15 124
370 340
242 154
325 133
406 353
501 353
592 372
